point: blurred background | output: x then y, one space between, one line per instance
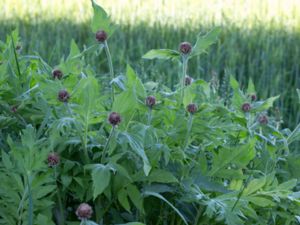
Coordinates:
260 39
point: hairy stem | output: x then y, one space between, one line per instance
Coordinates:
30 201
110 65
149 116
106 144
189 128
184 70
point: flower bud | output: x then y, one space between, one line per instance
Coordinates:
53 159
191 108
150 101
84 211
263 120
114 118
14 109
57 74
246 107
63 96
188 80
185 48
101 36
253 97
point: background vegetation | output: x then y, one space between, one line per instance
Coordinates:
260 39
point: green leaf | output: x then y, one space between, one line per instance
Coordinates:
157 195
260 201
136 197
251 87
265 105
101 178
255 185
137 146
239 156
203 42
101 20
162 54
123 199
161 176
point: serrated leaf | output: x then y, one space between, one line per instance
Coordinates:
101 178
239 156
101 20
251 87
265 105
203 42
161 54
161 176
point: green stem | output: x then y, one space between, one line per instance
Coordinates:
149 116
184 70
199 213
30 201
189 128
110 65
60 205
106 144
83 140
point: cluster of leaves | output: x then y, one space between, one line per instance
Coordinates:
160 165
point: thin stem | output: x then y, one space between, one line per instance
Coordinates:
83 140
189 128
149 116
184 70
30 201
110 65
199 213
60 204
106 144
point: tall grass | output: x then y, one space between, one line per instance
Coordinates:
260 38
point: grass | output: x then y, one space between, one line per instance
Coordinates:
260 39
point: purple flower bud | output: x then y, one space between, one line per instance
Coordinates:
14 109
191 108
101 36
188 80
263 120
114 118
246 107
63 96
53 159
57 74
19 47
185 48
150 101
84 211
253 97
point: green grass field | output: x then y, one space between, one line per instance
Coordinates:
260 38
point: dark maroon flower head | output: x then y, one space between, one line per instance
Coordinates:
84 211
63 96
14 109
188 80
114 118
185 48
101 36
192 108
253 97
19 47
246 107
263 120
53 159
57 74
150 101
